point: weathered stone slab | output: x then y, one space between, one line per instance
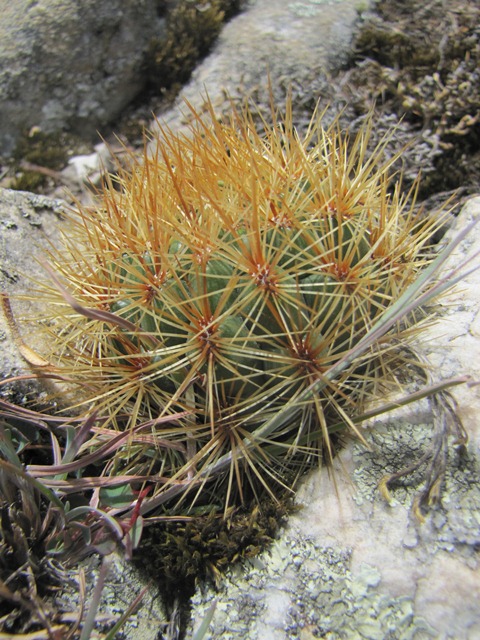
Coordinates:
28 224
294 44
70 63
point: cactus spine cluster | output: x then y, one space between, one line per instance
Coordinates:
223 275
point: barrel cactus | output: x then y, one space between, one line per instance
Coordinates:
222 275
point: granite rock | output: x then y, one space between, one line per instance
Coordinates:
69 63
29 223
286 46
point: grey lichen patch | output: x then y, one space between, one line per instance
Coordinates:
304 591
391 449
29 222
122 586
457 521
454 523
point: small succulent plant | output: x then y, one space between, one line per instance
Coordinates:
27 573
48 524
230 277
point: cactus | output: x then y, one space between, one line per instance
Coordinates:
222 275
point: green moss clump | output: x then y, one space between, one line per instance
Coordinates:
32 181
36 153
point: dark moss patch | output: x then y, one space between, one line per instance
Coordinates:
180 556
38 156
422 63
192 28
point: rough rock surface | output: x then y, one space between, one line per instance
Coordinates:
349 565
296 44
64 62
28 223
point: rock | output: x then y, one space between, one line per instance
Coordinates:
88 169
295 44
64 63
28 224
348 564
123 584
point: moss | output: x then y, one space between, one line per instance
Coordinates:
31 181
181 555
192 28
201 548
37 154
422 62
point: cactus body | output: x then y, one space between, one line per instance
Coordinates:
248 265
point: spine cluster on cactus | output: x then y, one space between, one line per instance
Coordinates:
222 275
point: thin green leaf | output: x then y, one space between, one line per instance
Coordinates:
7 448
47 493
117 496
203 628
87 510
89 623
80 435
